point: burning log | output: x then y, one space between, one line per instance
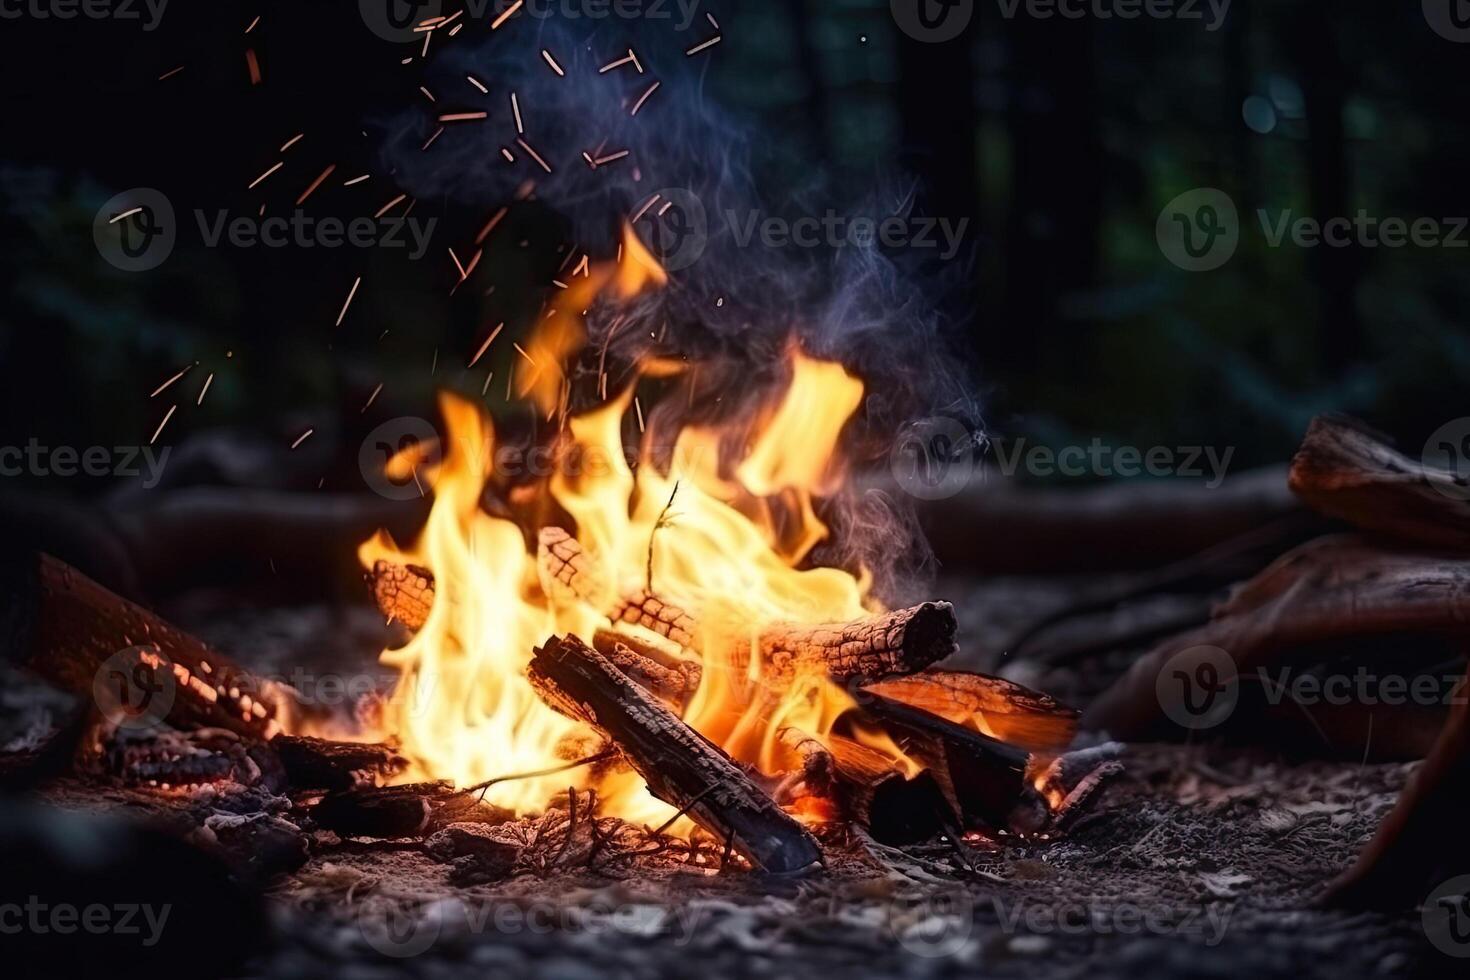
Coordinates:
862 651
81 637
567 572
984 778
671 678
895 808
1333 588
681 767
1003 709
403 593
316 763
1345 471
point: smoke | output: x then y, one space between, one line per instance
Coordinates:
736 297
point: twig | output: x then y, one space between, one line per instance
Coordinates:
662 522
590 760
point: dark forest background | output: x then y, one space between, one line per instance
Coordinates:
1060 140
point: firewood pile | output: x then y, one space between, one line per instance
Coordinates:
210 721
1401 580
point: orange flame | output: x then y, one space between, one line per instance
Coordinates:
725 546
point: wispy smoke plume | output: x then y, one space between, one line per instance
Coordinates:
734 301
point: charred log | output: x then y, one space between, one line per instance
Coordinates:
316 763
1008 711
87 640
860 652
403 593
983 777
681 767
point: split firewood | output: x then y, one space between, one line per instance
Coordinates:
861 651
680 766
567 572
1331 589
1348 472
984 778
895 808
671 678
83 638
1000 708
1421 843
317 763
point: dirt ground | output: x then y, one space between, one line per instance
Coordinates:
1199 861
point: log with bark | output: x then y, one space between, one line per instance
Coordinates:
680 766
857 652
1332 589
317 763
83 638
1346 471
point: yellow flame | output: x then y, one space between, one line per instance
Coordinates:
722 539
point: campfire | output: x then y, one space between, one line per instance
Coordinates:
657 615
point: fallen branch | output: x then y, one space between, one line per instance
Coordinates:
1421 843
1330 589
680 766
1345 471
